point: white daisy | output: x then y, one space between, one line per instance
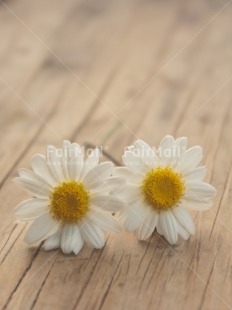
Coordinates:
71 201
162 186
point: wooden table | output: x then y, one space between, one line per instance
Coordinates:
107 73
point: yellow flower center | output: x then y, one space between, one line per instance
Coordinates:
69 202
162 188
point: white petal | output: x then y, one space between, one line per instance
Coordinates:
28 174
42 227
167 142
78 243
52 242
137 180
123 172
190 159
54 163
159 229
39 165
194 203
168 225
148 226
184 219
182 232
34 188
129 176
98 175
107 203
91 162
181 144
196 174
167 150
111 184
71 240
92 234
76 161
104 221
200 190
148 155
31 208
65 158
136 216
129 193
134 163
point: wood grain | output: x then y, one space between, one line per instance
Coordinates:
108 72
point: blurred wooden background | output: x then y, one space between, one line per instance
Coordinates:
109 72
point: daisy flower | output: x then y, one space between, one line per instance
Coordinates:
161 187
71 201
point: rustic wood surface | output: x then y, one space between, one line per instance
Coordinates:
108 72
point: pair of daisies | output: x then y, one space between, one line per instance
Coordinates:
75 199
